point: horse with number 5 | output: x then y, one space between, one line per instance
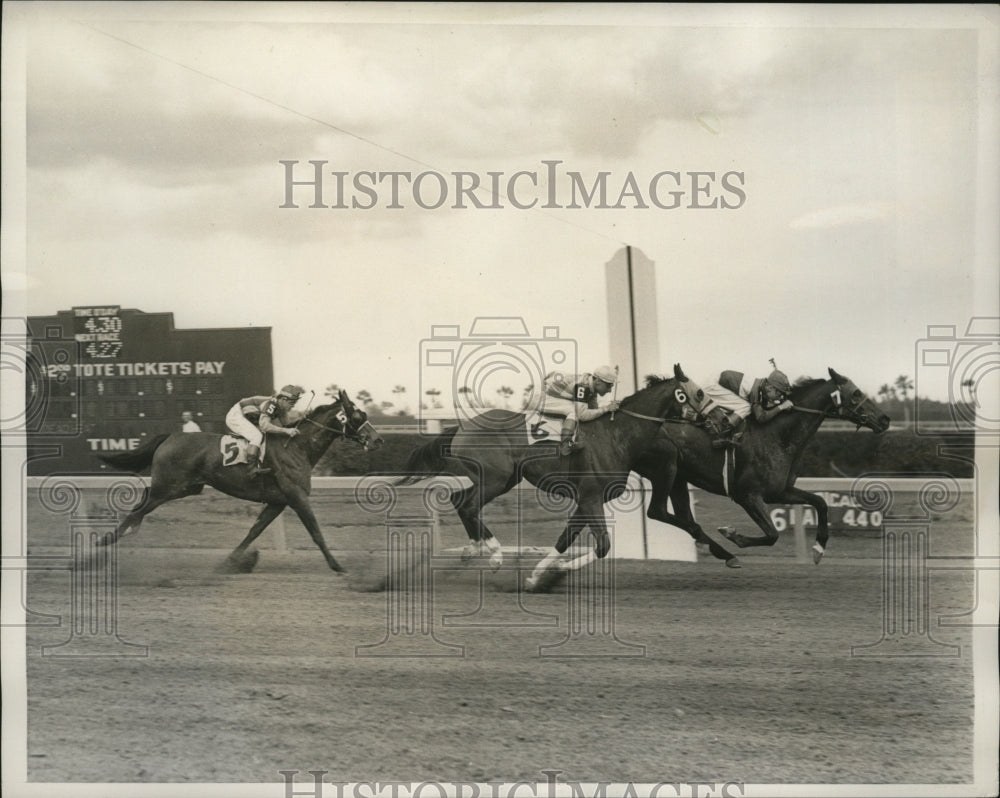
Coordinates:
761 470
181 464
494 452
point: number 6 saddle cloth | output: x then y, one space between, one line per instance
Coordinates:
234 449
540 427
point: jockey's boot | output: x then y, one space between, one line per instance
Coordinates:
728 434
566 444
253 459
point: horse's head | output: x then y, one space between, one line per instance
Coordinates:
851 404
355 423
678 399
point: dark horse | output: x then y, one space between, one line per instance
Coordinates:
494 453
761 470
183 463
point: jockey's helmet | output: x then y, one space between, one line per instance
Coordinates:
606 374
780 381
292 392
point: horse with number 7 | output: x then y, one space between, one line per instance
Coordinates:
761 470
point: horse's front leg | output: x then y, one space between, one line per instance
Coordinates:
237 558
592 515
298 500
758 511
795 495
684 518
569 534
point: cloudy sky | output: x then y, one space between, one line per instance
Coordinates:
864 142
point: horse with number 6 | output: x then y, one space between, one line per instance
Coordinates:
761 470
494 452
181 464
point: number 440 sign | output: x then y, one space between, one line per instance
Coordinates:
844 514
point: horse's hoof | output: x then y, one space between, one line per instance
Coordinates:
529 584
241 563
734 562
495 563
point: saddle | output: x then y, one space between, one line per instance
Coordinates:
233 449
540 427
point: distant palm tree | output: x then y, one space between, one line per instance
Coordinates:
971 385
505 392
904 385
332 390
365 398
433 393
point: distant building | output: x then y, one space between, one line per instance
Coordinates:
106 379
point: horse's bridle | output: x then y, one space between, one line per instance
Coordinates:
349 436
838 403
698 413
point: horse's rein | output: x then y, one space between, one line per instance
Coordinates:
347 435
651 418
825 413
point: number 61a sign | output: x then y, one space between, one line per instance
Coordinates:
785 516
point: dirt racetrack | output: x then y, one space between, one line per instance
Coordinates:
687 671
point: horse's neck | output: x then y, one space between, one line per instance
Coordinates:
798 427
321 435
635 435
648 401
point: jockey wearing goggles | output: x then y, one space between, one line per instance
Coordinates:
255 416
738 397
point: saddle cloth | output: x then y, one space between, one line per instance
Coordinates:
539 427
234 450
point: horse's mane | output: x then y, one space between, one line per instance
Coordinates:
651 381
295 416
655 379
805 382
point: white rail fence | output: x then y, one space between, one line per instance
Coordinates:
634 536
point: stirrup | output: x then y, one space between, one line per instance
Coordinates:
257 469
566 447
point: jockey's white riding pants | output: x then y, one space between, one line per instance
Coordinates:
557 406
722 397
240 425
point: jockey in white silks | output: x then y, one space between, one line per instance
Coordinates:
254 416
738 396
575 398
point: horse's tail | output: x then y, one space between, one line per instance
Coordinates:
429 459
136 459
